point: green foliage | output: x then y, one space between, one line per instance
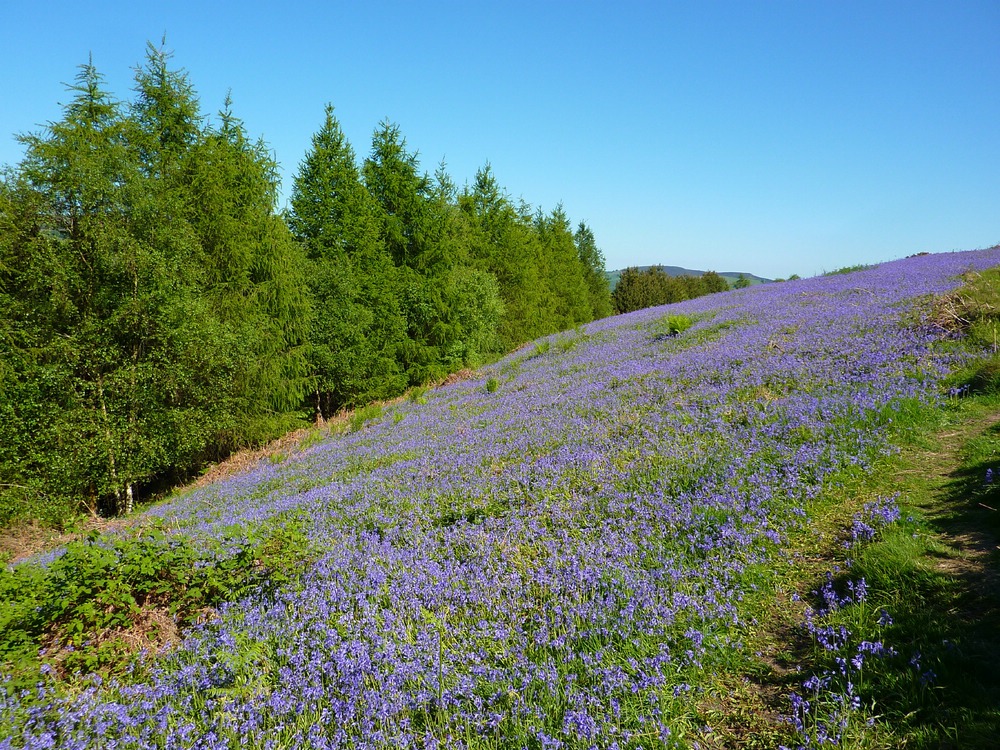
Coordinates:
492 385
848 269
357 326
75 613
541 348
640 289
741 283
152 303
562 272
365 414
156 313
674 325
594 272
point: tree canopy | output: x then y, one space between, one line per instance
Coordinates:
157 311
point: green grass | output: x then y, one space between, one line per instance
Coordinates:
933 572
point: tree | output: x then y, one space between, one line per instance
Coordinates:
562 271
152 301
594 273
166 114
357 327
428 238
255 271
713 282
393 180
505 244
742 282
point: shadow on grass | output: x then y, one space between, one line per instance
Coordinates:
939 580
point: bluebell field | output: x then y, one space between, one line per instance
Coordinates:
553 562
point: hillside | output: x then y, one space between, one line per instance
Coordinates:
730 276
578 546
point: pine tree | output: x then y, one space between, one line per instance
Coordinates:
166 114
391 174
255 271
563 272
152 301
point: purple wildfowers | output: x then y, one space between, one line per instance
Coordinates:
556 561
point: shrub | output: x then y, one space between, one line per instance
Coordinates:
367 414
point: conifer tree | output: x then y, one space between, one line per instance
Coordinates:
357 327
391 174
592 260
413 228
505 245
151 299
255 269
563 271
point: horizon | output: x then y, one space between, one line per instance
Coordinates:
781 138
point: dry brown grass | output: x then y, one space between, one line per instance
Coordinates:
954 313
26 538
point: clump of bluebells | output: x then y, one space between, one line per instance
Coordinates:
830 701
872 518
557 563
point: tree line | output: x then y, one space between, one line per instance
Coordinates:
158 312
653 286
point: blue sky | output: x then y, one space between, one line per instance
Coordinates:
770 137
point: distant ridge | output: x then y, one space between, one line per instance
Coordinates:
730 276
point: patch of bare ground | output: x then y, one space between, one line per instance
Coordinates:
456 377
246 459
24 539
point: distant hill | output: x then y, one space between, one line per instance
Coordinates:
730 276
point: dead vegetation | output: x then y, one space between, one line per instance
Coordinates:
977 300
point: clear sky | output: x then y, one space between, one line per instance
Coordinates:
771 137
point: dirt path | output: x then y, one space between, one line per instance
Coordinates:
964 509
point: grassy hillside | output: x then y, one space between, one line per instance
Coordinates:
615 537
730 276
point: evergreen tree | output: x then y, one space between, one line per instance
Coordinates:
563 272
505 244
357 327
594 272
255 269
427 237
391 174
151 300
166 114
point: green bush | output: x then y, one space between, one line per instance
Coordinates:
73 613
366 414
672 325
